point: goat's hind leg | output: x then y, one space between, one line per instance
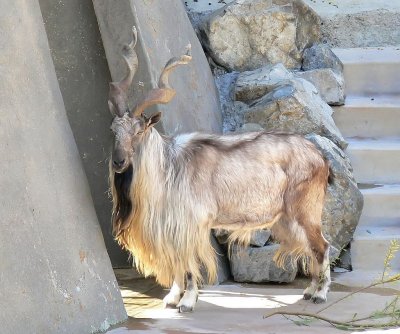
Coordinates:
174 296
190 297
320 272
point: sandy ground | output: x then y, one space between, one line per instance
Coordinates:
239 308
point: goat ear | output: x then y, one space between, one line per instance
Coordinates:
153 120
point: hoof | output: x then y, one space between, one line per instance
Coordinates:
307 296
318 300
185 309
171 301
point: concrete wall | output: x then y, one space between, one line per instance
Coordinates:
55 275
164 31
83 75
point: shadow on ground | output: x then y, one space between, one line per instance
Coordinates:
239 308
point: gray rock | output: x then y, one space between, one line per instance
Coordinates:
251 85
257 265
221 235
232 111
330 85
224 272
248 34
343 201
334 254
321 56
295 106
345 259
260 238
250 127
197 19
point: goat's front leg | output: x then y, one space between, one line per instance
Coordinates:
173 297
190 297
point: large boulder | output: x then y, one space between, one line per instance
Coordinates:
248 34
256 264
295 106
343 201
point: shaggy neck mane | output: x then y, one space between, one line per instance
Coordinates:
124 184
123 204
155 220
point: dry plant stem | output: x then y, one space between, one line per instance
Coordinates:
350 323
335 323
389 280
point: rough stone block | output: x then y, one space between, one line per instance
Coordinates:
56 276
343 200
260 238
321 56
295 106
224 272
232 115
164 30
251 85
330 85
257 265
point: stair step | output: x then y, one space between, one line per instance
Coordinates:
371 70
370 246
381 205
369 116
375 161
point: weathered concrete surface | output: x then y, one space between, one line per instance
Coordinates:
239 308
358 23
56 276
83 75
164 30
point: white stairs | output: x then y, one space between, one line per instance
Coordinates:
370 121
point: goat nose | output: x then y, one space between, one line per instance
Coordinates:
119 163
